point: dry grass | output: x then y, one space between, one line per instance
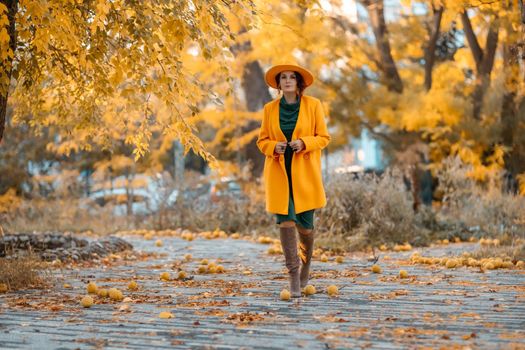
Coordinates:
23 273
367 211
485 206
514 251
64 214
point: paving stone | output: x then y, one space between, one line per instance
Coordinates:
436 307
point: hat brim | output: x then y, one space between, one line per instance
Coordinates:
272 73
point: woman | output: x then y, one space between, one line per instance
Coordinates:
293 133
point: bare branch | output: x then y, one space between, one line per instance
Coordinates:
430 49
477 53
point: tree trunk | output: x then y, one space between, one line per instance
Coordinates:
513 111
388 66
256 93
430 48
484 60
12 8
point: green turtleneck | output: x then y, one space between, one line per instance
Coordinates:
288 114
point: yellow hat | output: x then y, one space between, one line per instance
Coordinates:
272 73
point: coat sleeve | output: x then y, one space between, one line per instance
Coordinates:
320 139
265 145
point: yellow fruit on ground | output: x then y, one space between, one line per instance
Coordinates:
133 285
309 290
220 269
91 288
489 266
376 268
324 258
265 240
148 236
212 268
332 290
86 301
317 252
403 274
285 295
520 264
115 294
166 314
383 247
472 239
235 236
445 241
158 243
165 276
457 239
451 263
102 293
202 269
204 262
339 260
472 262
187 257
182 275
3 288
507 264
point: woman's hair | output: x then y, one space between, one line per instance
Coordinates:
300 82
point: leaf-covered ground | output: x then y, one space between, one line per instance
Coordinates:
240 308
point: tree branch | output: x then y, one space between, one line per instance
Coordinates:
12 9
430 49
377 20
490 47
476 50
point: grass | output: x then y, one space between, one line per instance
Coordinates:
515 251
23 273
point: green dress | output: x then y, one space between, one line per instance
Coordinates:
288 114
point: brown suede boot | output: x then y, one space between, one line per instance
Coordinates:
306 248
289 244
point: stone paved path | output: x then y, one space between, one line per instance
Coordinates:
434 308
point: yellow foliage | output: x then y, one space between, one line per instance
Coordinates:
9 201
117 71
521 179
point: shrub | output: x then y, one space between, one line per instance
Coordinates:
480 205
367 210
23 272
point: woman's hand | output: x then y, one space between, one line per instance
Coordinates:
280 147
297 145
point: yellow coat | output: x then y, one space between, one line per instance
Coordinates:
307 182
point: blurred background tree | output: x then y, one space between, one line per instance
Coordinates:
94 83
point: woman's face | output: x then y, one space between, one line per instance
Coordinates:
288 81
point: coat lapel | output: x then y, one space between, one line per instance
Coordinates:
279 135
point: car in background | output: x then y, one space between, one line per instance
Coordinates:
149 194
